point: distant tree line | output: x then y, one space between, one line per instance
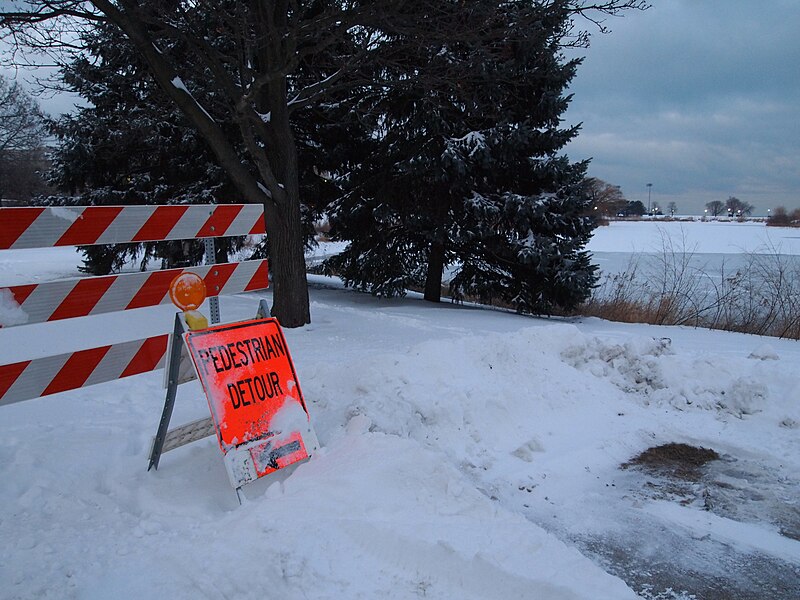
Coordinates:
608 201
732 207
780 217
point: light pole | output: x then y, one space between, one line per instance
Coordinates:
649 187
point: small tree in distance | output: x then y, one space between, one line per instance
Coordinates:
738 208
634 208
715 207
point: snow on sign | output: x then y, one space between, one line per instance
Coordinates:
256 404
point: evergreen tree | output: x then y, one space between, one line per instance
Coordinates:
461 167
22 150
635 208
131 145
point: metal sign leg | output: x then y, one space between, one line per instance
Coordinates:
172 390
263 310
211 259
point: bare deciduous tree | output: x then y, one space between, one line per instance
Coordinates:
738 208
21 120
607 199
715 207
248 52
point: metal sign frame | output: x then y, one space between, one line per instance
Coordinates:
166 439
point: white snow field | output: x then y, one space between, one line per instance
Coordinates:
467 453
710 237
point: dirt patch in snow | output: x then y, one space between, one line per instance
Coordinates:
677 460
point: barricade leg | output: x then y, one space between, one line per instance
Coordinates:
172 390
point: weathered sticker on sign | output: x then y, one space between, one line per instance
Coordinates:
258 410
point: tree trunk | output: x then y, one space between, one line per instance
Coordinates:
287 265
433 277
284 219
282 210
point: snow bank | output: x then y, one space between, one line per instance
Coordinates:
651 371
384 509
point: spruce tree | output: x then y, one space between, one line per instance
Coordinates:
131 145
128 145
462 168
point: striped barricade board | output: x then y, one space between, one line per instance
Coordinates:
30 379
80 297
42 227
46 227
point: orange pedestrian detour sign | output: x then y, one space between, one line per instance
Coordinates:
258 410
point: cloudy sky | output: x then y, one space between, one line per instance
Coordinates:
701 98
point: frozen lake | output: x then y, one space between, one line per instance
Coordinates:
712 248
710 237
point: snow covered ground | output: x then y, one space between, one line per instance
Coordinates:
467 453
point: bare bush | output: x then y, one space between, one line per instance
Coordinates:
780 217
761 297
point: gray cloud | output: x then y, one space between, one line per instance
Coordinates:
699 97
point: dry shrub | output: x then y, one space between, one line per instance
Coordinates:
780 217
762 297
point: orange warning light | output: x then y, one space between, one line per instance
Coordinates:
187 291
